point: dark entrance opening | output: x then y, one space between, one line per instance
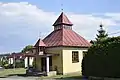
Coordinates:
43 63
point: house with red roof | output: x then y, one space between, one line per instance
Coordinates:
19 57
62 50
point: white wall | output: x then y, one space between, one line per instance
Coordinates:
10 61
30 61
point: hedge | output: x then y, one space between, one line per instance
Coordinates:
103 59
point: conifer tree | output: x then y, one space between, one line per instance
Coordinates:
102 35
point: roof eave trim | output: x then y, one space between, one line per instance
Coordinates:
68 46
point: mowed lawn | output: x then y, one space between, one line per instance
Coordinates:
19 71
8 72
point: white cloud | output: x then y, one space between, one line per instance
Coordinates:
114 16
20 24
87 25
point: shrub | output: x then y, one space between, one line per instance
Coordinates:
103 59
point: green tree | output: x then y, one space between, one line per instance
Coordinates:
102 35
27 48
103 59
4 62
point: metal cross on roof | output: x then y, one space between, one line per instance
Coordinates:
62 7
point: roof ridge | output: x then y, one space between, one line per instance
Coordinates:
62 36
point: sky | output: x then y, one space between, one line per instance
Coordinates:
22 22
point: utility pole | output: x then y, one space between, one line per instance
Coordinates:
14 59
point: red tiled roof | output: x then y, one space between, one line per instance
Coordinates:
62 19
23 55
39 43
16 55
65 37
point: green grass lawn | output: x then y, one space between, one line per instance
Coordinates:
7 72
19 71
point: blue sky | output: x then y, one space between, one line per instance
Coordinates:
79 6
21 21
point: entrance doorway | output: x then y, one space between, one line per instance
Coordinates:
44 63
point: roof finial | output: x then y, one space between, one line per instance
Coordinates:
62 7
40 35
